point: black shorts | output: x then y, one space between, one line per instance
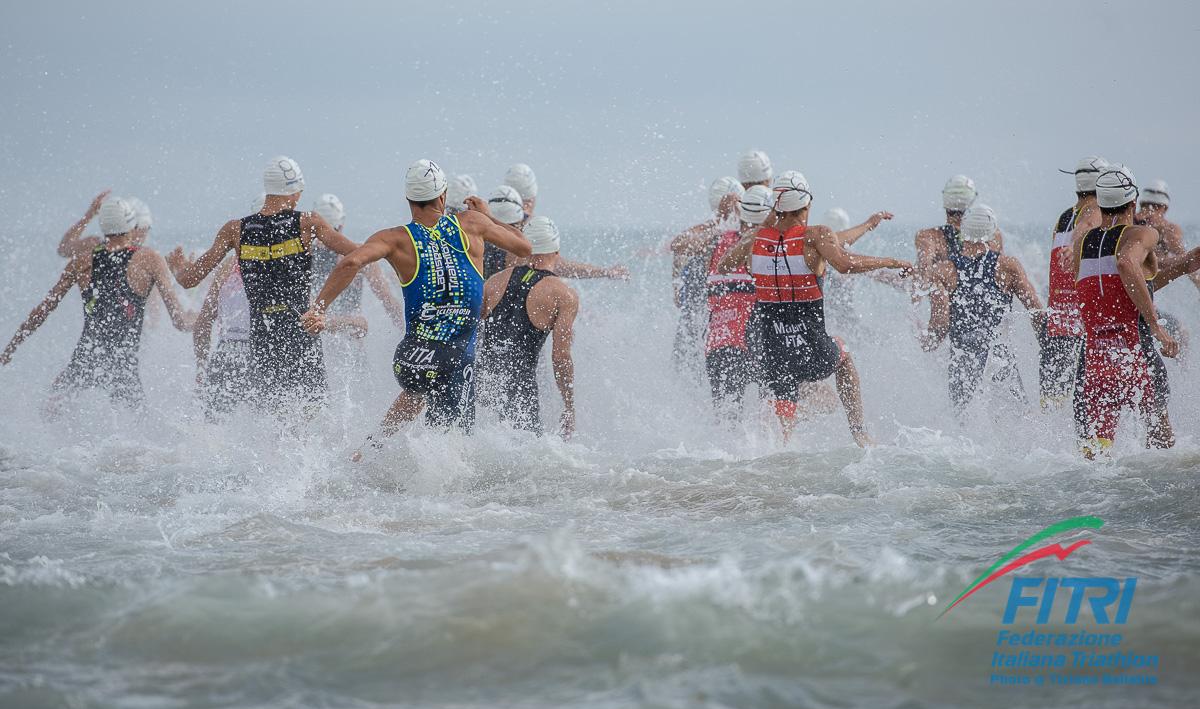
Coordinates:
730 370
795 349
228 379
287 360
1058 364
441 371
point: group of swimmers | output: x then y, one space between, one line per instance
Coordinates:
751 283
461 261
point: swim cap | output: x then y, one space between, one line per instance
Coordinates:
424 181
836 219
755 166
117 217
1115 187
461 187
1086 171
979 223
259 202
721 187
331 210
521 178
958 194
791 192
1156 193
542 234
142 210
755 204
505 204
283 176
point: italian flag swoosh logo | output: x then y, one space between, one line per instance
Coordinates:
1018 557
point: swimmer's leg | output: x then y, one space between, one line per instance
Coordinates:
404 410
849 390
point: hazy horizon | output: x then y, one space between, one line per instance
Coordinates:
625 116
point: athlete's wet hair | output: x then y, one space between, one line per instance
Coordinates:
425 203
1116 211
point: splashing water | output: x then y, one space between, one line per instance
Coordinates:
658 559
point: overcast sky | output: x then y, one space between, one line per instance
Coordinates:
624 110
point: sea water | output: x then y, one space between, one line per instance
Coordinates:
658 559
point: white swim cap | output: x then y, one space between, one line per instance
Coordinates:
755 166
142 210
424 181
721 187
117 217
1156 192
521 178
1086 171
542 234
282 176
791 192
505 204
461 187
836 219
979 223
259 202
331 210
959 193
1115 187
755 204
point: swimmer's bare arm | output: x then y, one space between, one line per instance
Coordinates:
73 241
738 256
191 274
942 280
853 234
927 244
478 220
1012 278
320 230
830 249
69 277
578 269
381 245
563 336
161 281
1172 239
694 242
1135 245
382 291
1176 267
202 329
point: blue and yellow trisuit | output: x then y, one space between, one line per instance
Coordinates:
442 302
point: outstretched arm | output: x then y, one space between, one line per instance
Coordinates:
379 286
342 276
73 241
563 335
855 233
1012 278
578 269
1172 239
830 247
320 229
1185 264
39 314
191 274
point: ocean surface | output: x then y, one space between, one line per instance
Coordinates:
658 559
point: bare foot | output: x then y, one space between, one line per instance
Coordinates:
862 439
